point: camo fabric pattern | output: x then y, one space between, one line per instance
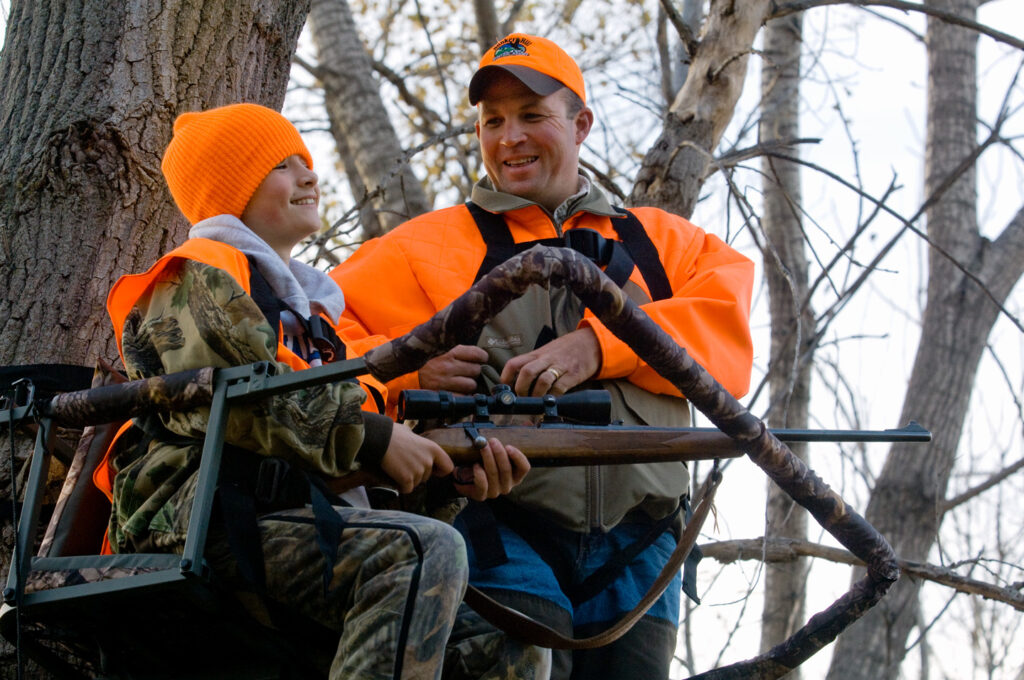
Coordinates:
49 580
196 316
394 589
479 651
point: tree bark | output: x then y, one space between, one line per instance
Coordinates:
88 94
356 110
673 170
792 323
907 500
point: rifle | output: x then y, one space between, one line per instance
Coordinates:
576 429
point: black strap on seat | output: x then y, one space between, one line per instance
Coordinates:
602 577
482 530
634 248
48 379
250 486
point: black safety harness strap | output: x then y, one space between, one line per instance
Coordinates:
250 486
634 248
618 258
319 332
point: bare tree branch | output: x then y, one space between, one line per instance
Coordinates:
488 31
992 481
513 14
949 17
399 82
787 550
686 35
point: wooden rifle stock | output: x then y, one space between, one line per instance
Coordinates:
564 444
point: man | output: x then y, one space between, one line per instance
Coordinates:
561 526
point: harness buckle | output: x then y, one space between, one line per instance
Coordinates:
324 338
270 480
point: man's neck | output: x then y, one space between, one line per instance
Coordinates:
589 198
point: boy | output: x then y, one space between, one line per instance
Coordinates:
387 582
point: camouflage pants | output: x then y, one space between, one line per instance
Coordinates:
479 651
394 588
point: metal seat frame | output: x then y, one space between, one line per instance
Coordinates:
120 612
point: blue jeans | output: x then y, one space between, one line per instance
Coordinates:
645 652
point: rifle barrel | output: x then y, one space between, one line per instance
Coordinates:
563 444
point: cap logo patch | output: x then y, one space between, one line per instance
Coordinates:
511 47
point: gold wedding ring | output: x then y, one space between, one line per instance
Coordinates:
553 371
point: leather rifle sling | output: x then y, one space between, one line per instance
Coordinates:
523 627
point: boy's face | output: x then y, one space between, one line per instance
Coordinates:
283 210
530 143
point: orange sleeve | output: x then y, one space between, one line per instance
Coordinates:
708 314
395 263
380 264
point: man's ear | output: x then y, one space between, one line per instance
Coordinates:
583 122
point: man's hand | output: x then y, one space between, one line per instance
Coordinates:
411 459
455 371
556 367
500 468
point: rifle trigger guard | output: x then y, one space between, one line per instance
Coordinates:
479 441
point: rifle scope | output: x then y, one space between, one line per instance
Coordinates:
592 407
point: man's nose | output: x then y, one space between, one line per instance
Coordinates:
512 134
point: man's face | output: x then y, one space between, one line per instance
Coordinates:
529 143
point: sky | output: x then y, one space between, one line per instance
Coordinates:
880 77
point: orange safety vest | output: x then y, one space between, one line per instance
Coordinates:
128 289
433 258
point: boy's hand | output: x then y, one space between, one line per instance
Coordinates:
411 459
500 468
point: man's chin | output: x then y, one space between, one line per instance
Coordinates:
522 188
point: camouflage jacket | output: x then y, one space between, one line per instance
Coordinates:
196 315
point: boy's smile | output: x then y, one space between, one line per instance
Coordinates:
283 209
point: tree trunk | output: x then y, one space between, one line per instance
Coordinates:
792 323
88 94
958 318
90 91
488 29
674 168
355 108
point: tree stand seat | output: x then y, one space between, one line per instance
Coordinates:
136 616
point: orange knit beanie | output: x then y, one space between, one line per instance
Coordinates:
217 158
